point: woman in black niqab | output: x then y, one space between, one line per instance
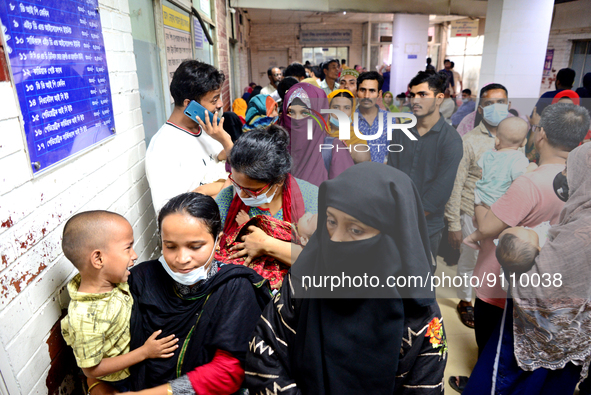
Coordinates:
314 340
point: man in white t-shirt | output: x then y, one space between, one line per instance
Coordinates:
184 155
275 76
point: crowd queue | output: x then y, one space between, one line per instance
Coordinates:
252 202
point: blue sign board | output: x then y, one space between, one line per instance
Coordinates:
58 63
412 56
198 32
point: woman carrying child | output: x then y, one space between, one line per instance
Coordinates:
258 211
210 307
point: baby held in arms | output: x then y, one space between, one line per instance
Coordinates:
305 228
500 166
518 247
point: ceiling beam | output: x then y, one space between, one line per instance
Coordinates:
471 8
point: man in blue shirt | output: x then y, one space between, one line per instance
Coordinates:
564 80
449 74
372 119
468 105
431 161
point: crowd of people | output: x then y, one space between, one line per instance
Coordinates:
301 183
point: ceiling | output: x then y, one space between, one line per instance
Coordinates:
258 15
471 8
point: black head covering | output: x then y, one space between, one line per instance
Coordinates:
232 125
351 346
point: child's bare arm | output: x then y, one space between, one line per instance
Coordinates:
211 189
152 348
473 239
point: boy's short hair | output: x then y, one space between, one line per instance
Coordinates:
514 254
193 79
85 232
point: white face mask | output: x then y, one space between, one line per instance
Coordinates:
257 201
194 276
397 103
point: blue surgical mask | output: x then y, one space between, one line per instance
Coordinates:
335 121
495 113
466 100
257 201
194 276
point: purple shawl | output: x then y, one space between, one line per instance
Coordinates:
308 164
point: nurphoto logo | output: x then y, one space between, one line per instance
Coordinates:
345 130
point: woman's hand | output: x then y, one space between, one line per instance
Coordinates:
254 245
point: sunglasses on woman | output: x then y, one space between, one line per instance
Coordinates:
249 192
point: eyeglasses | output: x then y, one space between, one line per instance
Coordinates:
249 192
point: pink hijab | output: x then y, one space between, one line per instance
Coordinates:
308 163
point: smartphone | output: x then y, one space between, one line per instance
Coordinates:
195 110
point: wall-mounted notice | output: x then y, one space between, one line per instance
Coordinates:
464 28
177 36
58 62
548 62
324 37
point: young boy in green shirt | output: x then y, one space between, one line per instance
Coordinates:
100 245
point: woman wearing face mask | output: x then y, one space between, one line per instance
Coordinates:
355 338
544 343
263 185
210 307
316 157
343 100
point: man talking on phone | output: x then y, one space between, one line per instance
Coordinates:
189 154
